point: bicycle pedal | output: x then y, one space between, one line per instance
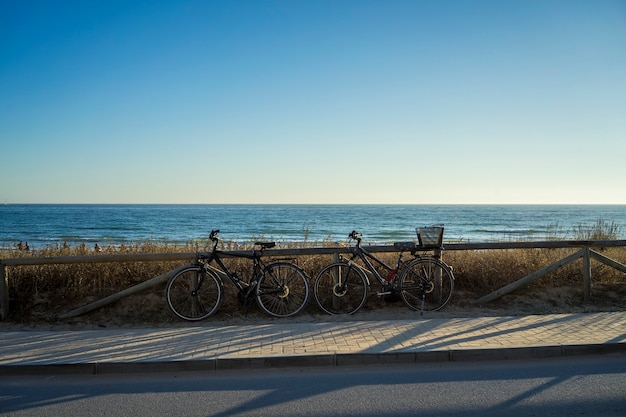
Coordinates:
381 294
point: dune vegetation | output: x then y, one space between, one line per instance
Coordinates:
40 293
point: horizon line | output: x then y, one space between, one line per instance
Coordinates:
313 204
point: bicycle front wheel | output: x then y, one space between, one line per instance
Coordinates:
340 288
426 284
282 290
194 293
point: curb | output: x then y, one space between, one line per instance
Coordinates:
332 360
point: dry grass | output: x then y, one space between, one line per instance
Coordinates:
40 293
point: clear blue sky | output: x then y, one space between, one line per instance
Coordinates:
313 101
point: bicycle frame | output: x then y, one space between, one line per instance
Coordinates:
214 255
370 269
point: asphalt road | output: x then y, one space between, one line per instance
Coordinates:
582 386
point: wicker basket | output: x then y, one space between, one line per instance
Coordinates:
430 237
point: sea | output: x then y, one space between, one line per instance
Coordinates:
43 225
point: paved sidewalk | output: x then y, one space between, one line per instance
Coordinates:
214 347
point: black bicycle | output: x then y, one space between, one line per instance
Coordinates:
424 283
280 288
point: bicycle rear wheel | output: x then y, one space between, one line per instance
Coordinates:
426 284
335 298
282 290
194 293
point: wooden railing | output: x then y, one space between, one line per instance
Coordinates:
584 251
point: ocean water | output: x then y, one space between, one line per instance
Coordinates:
52 224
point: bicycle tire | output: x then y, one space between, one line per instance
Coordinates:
426 284
189 303
326 289
282 290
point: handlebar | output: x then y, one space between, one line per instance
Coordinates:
213 235
355 236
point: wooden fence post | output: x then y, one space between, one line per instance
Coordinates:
438 295
336 258
586 274
4 292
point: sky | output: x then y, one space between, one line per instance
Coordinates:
296 101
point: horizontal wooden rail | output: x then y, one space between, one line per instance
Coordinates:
584 245
182 256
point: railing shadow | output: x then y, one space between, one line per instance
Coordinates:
261 393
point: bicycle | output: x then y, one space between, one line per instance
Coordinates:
424 283
280 288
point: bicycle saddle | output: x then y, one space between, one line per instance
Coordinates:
266 245
404 246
